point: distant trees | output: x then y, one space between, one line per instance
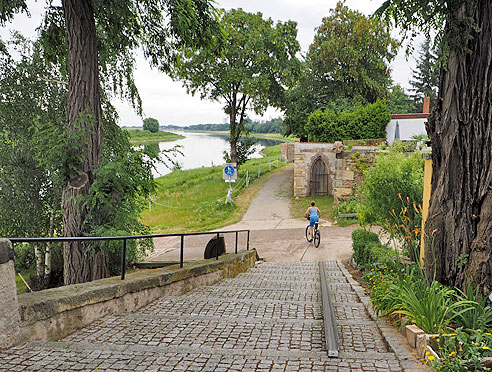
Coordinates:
399 102
347 65
425 77
258 64
151 124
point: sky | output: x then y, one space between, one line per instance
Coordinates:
168 102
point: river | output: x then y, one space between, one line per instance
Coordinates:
202 150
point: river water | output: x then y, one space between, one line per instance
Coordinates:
201 150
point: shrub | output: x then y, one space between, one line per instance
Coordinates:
367 248
392 196
366 122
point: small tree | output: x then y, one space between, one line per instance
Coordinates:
151 124
257 65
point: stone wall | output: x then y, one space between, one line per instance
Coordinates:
287 151
344 169
9 314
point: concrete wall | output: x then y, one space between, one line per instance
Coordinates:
9 314
344 169
55 313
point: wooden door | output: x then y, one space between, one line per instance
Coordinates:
319 179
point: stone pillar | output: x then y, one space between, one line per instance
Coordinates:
9 308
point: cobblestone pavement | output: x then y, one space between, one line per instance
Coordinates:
268 319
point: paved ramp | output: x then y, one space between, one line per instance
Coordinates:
267 319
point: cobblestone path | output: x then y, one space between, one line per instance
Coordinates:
267 319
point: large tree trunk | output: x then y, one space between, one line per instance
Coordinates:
84 127
459 225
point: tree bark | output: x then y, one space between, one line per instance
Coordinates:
233 130
84 127
459 225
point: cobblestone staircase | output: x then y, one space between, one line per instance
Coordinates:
267 319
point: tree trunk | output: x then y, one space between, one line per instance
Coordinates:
233 131
459 225
84 128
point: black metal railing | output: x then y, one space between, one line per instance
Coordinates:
129 237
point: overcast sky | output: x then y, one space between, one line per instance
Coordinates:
168 102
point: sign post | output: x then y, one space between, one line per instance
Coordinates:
230 175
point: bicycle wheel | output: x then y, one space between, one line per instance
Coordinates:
307 234
317 238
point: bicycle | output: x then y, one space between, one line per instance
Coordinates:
316 234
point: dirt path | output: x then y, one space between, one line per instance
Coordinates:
274 234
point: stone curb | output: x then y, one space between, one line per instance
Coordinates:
393 339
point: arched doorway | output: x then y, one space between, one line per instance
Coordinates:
319 179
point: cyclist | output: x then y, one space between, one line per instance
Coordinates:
312 213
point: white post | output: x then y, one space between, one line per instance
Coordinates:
247 178
229 194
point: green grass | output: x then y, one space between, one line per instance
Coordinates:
21 287
325 204
194 200
137 135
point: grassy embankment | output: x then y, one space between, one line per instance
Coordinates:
139 135
194 200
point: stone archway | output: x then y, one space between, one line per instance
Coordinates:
319 180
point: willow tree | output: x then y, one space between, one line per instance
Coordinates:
87 37
459 225
257 66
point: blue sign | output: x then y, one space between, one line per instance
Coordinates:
229 170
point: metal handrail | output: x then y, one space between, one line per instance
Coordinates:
127 237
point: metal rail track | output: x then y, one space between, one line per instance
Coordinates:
329 321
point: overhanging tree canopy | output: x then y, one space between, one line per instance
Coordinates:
258 64
86 37
459 225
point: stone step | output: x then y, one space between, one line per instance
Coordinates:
197 332
266 283
232 308
287 278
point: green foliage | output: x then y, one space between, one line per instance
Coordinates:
245 148
463 351
400 289
347 65
399 102
394 177
151 124
480 316
366 122
24 259
415 17
30 175
425 80
259 62
367 249
392 197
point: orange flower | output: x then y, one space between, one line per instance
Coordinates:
408 199
417 231
399 196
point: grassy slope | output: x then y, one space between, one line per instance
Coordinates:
194 200
137 135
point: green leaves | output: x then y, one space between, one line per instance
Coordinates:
366 122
